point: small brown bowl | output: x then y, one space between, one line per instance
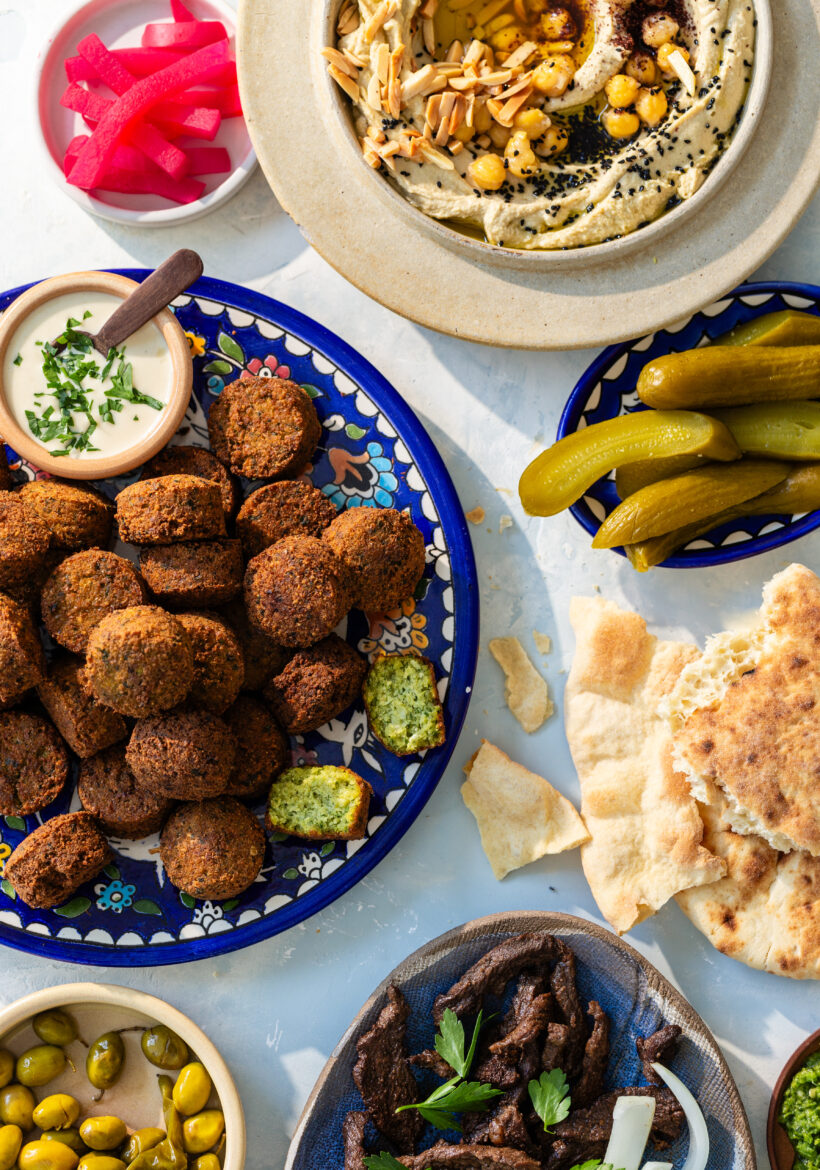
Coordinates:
780 1149
108 466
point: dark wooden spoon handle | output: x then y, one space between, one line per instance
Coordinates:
155 293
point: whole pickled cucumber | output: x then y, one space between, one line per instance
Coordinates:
633 476
686 499
777 430
730 375
788 327
561 474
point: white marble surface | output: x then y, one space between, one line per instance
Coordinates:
277 1010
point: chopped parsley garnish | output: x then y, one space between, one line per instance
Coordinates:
18 361
68 363
550 1097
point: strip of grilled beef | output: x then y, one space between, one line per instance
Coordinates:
660 1047
493 971
594 1123
471 1157
383 1077
596 1056
353 1140
565 992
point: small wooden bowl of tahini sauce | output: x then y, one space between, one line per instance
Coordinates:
122 410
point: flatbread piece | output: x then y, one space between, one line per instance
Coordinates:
525 692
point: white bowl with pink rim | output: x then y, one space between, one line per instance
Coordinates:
119 24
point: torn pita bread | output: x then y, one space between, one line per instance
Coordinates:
746 716
645 828
520 815
525 691
766 911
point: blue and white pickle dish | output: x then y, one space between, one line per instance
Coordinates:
606 389
373 453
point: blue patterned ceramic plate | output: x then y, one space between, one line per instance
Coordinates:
607 389
635 996
373 452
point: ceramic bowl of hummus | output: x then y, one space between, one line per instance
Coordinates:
134 1097
551 131
72 411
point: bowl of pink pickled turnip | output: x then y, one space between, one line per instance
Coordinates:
139 109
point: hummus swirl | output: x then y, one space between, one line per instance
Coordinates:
597 189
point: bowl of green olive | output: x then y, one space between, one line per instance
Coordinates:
98 1077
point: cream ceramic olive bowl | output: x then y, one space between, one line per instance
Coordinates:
100 1007
105 467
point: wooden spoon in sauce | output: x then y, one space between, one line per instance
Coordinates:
154 294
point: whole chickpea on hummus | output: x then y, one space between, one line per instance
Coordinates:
545 123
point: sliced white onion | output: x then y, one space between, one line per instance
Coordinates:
657 1166
698 1154
631 1123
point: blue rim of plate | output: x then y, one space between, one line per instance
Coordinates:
726 543
412 434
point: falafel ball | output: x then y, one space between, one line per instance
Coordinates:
297 590
288 508
187 755
264 428
85 724
5 475
33 763
22 662
108 788
384 552
84 589
77 516
199 572
212 848
262 749
52 862
199 461
219 668
139 661
24 543
316 685
263 657
170 508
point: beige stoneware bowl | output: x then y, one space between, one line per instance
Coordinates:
182 380
100 1007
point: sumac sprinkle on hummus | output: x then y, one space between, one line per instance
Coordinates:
544 123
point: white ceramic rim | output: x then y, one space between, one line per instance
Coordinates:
337 110
113 995
160 217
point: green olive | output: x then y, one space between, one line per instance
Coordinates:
59 1111
39 1065
165 1156
202 1132
105 1059
11 1138
55 1027
141 1140
163 1047
103 1133
17 1106
42 1155
192 1089
6 1067
205 1162
101 1162
68 1137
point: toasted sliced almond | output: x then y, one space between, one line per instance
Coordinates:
428 35
680 67
348 20
432 111
429 8
426 80
338 60
499 77
384 12
345 82
373 93
382 63
518 86
469 111
474 53
455 52
463 84
449 68
521 55
370 156
510 108
394 98
437 158
443 133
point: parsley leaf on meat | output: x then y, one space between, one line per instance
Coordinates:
382 1161
449 1042
550 1098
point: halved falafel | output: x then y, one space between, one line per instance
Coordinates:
183 460
108 788
296 591
262 748
199 572
76 515
319 803
139 661
264 428
384 554
212 848
170 508
33 763
52 862
22 662
291 507
316 684
85 724
403 707
219 668
186 755
84 589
